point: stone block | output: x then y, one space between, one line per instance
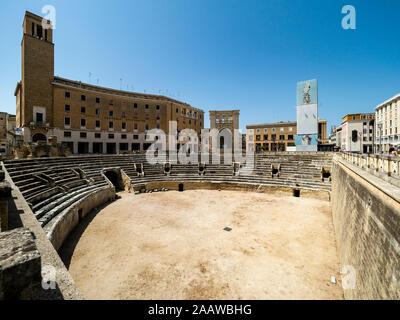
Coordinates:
20 265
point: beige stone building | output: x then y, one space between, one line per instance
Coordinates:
387 127
226 119
7 133
87 118
277 136
356 133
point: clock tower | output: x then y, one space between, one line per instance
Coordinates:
35 90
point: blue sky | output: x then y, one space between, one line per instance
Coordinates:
219 54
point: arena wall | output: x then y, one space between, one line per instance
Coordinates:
251 187
66 222
366 217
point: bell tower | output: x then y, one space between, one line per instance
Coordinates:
35 91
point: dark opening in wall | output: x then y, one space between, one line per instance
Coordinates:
326 174
181 187
80 214
296 193
275 171
115 179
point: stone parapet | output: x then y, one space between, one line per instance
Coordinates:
20 265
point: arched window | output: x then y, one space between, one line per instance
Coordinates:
39 137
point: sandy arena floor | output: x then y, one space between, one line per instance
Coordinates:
172 245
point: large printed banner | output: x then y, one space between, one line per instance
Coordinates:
307 92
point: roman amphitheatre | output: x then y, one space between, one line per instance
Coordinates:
117 227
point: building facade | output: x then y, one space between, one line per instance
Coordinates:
357 133
7 133
387 129
227 119
84 117
277 136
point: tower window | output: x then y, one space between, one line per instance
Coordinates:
40 32
83 97
39 117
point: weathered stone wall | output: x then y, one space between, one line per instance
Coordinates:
20 265
198 185
366 217
66 222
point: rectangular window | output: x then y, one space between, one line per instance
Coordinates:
111 113
39 32
123 136
135 105
147 127
290 137
67 121
111 125
258 138
110 136
265 137
135 137
39 117
177 110
282 137
135 126
97 135
123 125
97 112
67 95
83 97
123 115
147 106
97 123
83 110
97 100
83 122
67 134
158 108
83 135
67 108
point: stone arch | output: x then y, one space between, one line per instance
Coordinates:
39 137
